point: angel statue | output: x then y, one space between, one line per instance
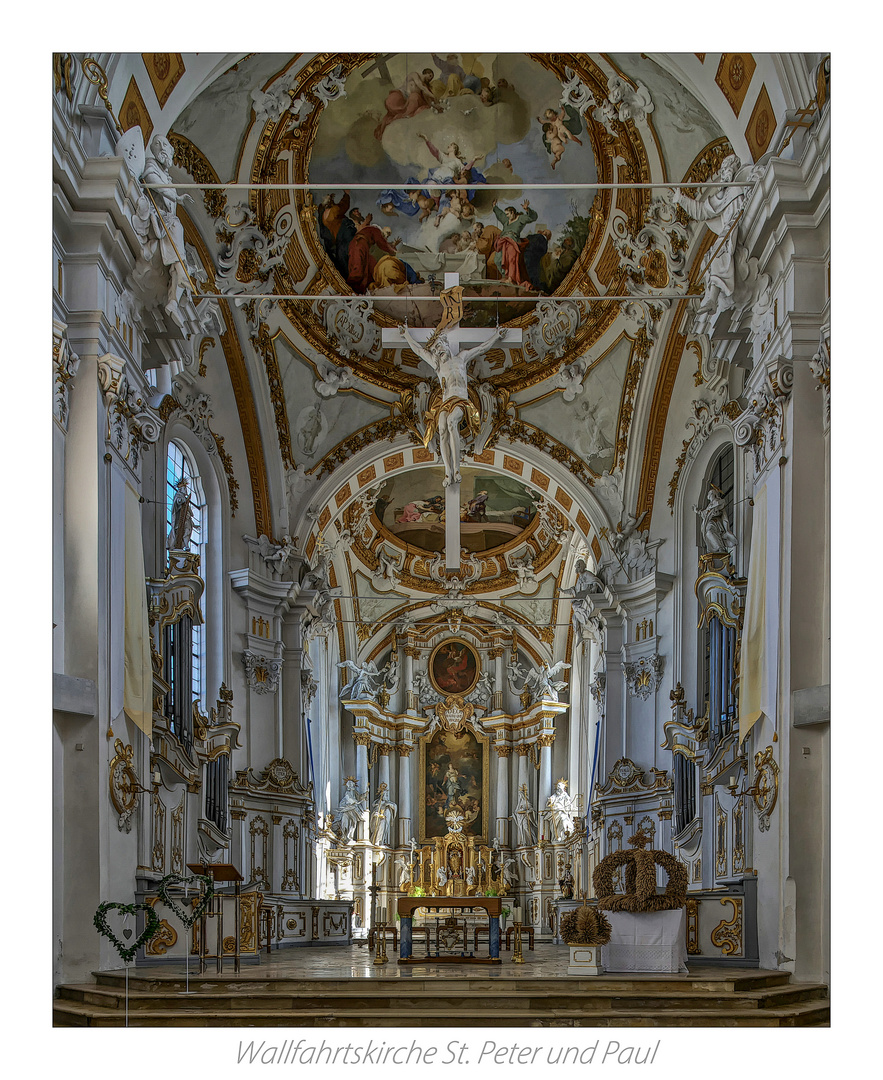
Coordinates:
275 556
523 569
508 873
404 868
366 682
560 812
514 674
441 878
542 684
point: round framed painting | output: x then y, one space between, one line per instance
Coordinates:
454 667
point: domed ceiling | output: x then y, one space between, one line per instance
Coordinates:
349 187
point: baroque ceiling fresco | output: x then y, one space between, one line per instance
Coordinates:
362 181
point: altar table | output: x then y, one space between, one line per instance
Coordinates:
646 941
407 905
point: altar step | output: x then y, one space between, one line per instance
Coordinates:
761 999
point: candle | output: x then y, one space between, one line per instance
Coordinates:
732 782
516 914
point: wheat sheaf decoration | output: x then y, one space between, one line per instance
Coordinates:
585 926
640 879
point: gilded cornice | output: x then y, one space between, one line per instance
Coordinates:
264 345
192 160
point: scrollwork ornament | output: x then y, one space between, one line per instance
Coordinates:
262 672
766 786
454 713
124 785
644 676
131 422
65 363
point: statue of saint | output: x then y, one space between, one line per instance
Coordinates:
560 811
382 813
182 518
525 819
351 808
716 532
586 583
720 211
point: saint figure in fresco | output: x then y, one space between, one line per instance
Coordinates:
509 246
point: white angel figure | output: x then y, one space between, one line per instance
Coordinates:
515 674
333 379
404 868
542 684
365 683
276 556
523 569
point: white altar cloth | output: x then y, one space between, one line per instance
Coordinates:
646 941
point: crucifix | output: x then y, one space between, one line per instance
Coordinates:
440 349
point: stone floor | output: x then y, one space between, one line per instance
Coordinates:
546 961
341 986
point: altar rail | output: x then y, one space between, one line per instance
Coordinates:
285 921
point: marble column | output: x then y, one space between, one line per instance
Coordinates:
497 703
502 831
383 752
406 830
545 784
523 766
361 740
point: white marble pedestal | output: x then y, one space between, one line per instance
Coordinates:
585 960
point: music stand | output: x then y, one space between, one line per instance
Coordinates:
220 872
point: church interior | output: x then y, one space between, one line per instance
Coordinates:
440 539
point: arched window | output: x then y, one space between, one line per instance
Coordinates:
185 648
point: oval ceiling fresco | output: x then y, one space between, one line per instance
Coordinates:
423 164
449 128
495 510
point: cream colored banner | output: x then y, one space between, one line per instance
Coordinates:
753 673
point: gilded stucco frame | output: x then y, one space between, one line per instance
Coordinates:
485 747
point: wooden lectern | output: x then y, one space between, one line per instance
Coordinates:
219 872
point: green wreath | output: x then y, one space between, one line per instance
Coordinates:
151 926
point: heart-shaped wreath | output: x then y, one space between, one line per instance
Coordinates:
188 919
151 926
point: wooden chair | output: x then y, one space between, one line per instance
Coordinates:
524 930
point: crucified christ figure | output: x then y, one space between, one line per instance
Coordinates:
451 369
